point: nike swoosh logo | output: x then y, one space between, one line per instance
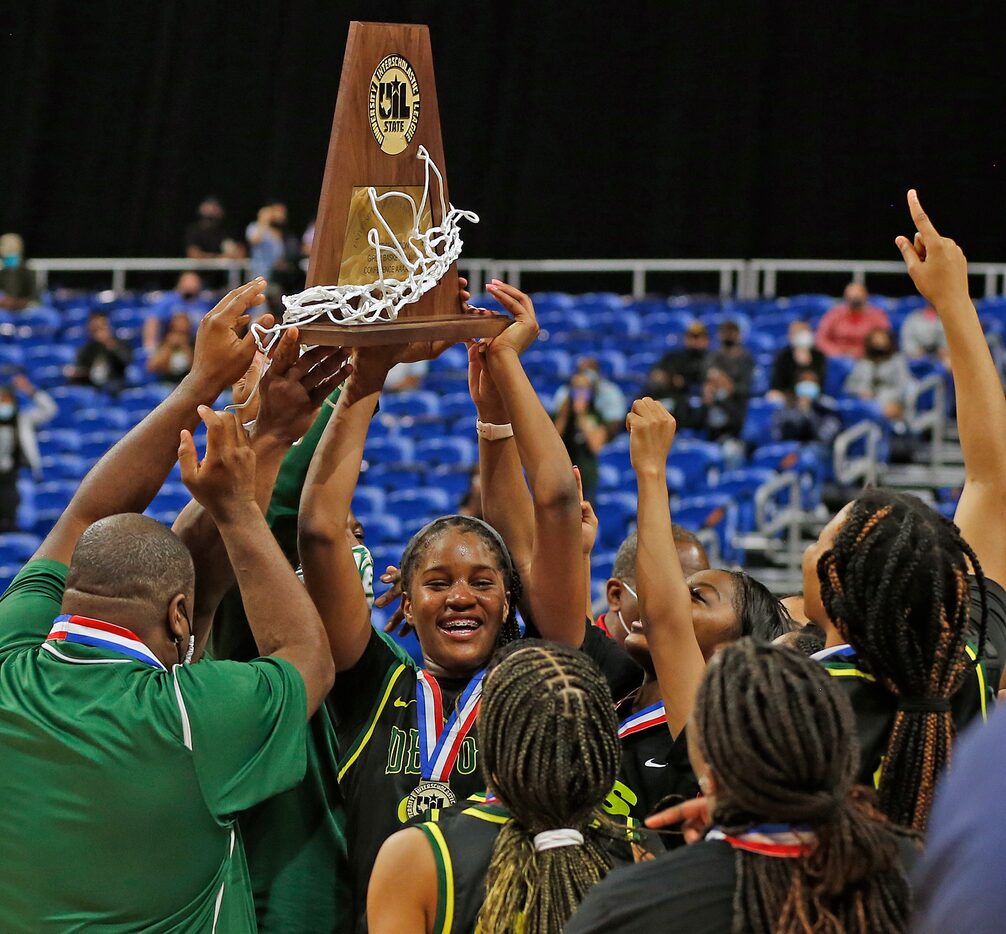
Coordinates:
655 765
403 703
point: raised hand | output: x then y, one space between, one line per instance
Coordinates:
295 385
693 815
588 518
936 264
244 392
651 434
393 576
223 483
484 392
222 356
523 332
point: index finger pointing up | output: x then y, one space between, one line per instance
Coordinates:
922 222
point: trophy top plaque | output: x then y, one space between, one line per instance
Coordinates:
383 263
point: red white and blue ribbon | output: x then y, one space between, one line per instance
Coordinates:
439 742
648 717
844 652
783 841
81 630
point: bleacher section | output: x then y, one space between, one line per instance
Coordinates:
422 446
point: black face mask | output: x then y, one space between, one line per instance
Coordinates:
878 353
856 303
729 341
695 352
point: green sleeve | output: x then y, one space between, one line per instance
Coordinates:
31 603
285 504
231 637
248 729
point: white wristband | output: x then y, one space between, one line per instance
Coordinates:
493 432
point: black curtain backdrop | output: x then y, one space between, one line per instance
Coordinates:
575 130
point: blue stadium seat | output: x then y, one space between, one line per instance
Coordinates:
550 360
59 440
392 477
836 374
420 502
389 450
107 417
716 512
742 485
699 461
447 452
758 422
95 444
453 358
416 402
616 512
63 467
368 500
383 529
454 481
458 404
17 547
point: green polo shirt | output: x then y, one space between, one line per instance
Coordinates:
120 781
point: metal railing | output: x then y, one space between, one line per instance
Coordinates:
856 469
744 279
934 419
773 517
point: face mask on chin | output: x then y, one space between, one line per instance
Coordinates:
802 340
7 411
11 261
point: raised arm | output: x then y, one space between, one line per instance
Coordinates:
555 584
128 477
940 272
665 604
281 616
290 393
330 571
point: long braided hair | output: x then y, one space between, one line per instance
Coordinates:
780 740
548 740
421 541
895 584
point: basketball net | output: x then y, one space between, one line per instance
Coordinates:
425 255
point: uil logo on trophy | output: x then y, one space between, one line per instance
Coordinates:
383 266
394 104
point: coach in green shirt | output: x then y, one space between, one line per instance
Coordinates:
121 767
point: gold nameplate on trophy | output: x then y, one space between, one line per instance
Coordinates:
359 258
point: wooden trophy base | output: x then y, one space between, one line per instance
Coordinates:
405 331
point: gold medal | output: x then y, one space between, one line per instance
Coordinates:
428 795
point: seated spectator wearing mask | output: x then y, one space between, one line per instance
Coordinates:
795 359
18 445
679 374
17 282
185 299
609 400
173 358
882 375
807 415
922 336
102 361
582 428
734 359
720 409
842 331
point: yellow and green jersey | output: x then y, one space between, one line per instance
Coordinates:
122 779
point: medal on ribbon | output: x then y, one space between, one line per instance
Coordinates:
81 630
783 841
440 742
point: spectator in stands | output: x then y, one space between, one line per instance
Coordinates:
583 428
679 374
807 415
882 375
173 358
719 410
922 336
17 282
187 298
18 445
609 400
794 360
307 240
274 254
207 237
102 361
734 359
842 331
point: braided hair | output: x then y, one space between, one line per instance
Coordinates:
548 740
760 613
424 538
895 584
780 739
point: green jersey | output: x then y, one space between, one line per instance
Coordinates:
122 779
